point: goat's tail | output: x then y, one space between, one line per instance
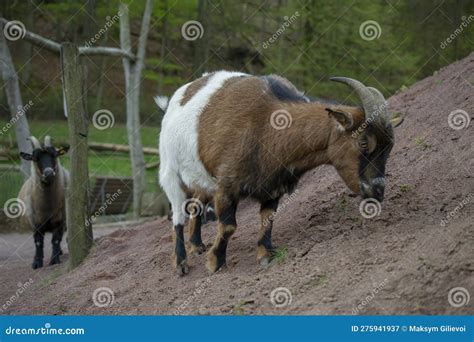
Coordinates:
162 102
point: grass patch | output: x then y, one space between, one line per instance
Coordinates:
421 142
405 187
49 279
280 254
239 309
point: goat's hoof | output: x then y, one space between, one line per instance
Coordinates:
37 264
55 261
198 249
265 261
182 268
213 263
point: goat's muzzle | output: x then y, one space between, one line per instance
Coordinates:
48 176
373 189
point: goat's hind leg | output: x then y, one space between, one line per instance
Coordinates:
195 223
226 208
172 186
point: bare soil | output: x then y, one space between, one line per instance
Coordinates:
331 260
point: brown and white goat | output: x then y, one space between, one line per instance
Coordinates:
44 196
229 135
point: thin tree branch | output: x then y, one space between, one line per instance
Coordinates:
55 47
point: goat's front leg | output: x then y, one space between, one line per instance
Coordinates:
38 237
226 208
56 242
264 244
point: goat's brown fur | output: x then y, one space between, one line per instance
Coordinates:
193 88
239 146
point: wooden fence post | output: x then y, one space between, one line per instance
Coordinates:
79 233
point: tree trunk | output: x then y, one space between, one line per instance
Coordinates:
201 52
12 90
132 87
77 204
27 48
163 52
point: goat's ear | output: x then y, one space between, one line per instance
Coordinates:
396 120
343 118
26 156
62 150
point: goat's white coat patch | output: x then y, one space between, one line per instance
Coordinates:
179 157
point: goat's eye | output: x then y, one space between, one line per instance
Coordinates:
363 144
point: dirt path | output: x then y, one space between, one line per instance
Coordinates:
332 260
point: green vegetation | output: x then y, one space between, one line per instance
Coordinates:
100 163
421 142
112 164
280 254
405 187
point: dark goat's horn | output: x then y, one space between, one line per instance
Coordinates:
382 105
35 143
372 100
47 141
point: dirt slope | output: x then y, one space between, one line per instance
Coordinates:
403 261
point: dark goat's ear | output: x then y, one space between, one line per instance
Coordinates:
62 150
26 156
343 118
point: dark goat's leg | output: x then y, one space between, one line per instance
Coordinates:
56 242
179 254
38 237
225 209
195 223
264 244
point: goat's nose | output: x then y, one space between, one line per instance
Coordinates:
48 172
378 188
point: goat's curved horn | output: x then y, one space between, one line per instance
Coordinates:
34 142
372 100
47 141
382 104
